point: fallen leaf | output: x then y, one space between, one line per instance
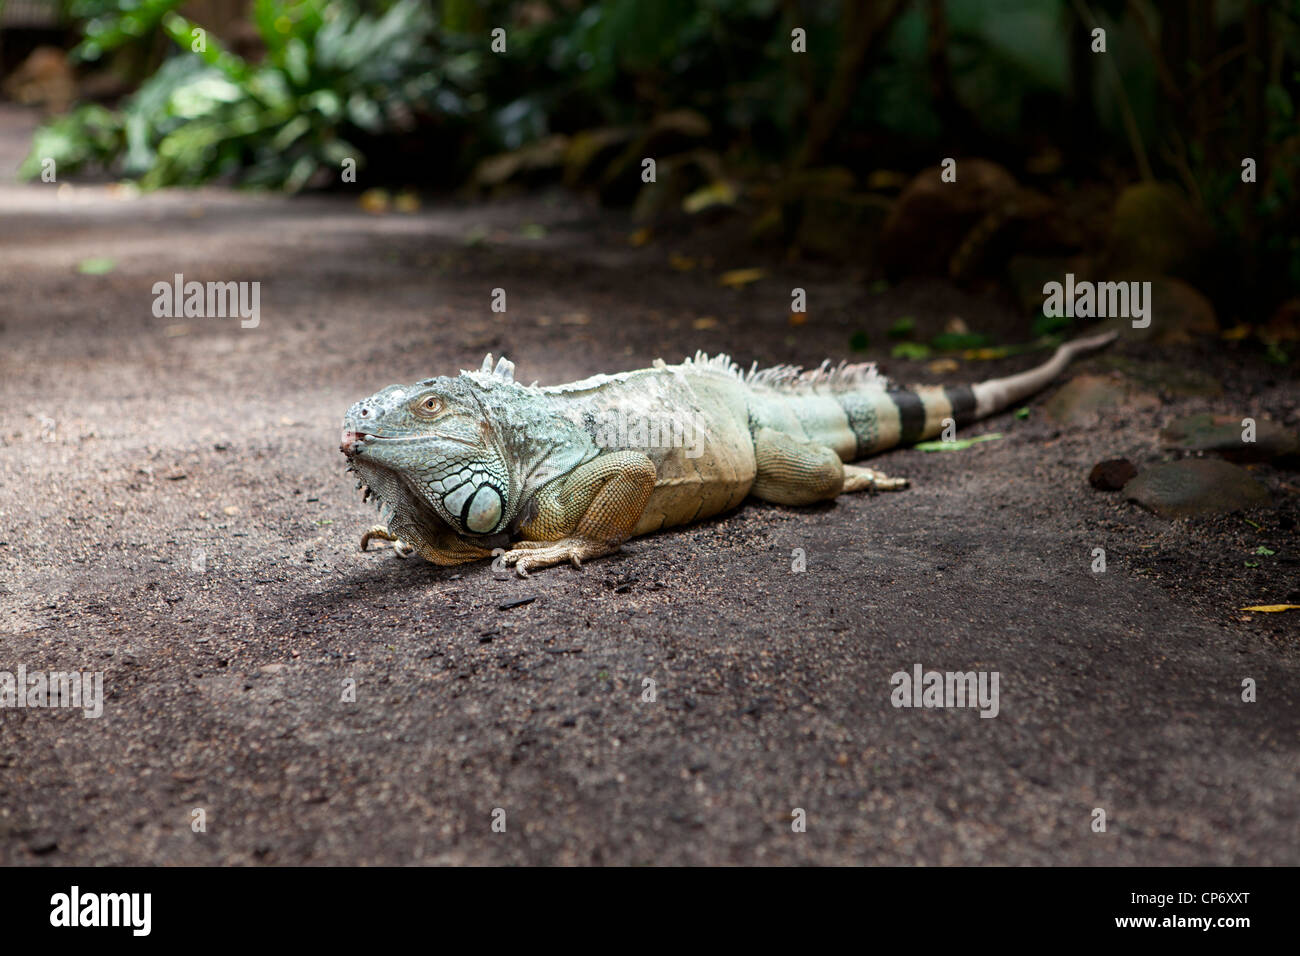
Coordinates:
714 194
374 201
960 444
740 277
943 366
640 237
96 266
886 179
798 318
910 350
705 322
681 263
902 328
1272 608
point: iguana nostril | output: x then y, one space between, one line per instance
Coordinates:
365 413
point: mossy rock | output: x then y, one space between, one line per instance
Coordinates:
1155 231
1226 436
1080 400
1196 486
931 218
1164 378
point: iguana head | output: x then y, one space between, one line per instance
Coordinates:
431 446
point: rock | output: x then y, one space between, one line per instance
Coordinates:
1226 436
845 227
1080 400
1028 274
1284 324
807 200
1155 231
43 79
1164 378
1195 486
1112 474
1178 312
931 218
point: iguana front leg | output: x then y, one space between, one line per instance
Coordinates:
587 513
400 547
443 550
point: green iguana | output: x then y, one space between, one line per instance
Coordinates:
478 465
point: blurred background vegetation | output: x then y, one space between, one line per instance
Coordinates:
1124 164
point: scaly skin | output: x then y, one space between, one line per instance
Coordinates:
477 465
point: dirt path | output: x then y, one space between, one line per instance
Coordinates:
175 514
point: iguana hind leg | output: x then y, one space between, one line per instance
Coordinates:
588 513
794 472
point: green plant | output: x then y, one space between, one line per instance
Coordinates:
329 70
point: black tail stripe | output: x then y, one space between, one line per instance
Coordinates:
911 416
962 400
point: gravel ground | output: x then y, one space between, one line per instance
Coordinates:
174 513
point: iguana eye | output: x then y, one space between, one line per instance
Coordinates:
430 406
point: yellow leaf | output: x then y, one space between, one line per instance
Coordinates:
886 179
374 201
1272 608
1236 333
640 237
705 322
798 318
985 355
740 277
714 194
681 263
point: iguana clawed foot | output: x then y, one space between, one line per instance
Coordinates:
531 555
859 478
400 547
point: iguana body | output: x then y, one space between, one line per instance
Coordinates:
468 465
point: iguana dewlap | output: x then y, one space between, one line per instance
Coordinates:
468 465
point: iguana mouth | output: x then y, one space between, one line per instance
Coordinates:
352 441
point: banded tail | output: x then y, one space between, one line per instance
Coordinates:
858 413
